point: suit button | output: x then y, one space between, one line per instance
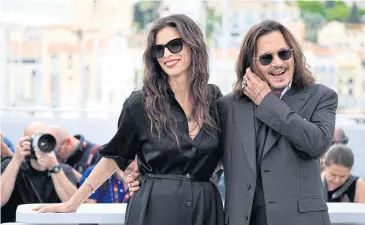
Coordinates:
193 149
188 204
248 186
187 175
246 217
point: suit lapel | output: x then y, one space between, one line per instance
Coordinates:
243 115
296 100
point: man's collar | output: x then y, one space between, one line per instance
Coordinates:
285 90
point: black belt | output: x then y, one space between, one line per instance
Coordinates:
186 177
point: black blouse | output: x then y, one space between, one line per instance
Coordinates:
198 157
175 183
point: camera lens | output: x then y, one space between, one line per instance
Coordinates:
46 143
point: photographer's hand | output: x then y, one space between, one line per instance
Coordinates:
9 175
47 160
22 149
64 187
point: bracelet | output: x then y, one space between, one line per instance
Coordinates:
88 183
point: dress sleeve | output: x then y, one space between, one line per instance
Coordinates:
124 145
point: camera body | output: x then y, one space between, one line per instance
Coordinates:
43 142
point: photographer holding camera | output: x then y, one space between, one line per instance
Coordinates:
33 174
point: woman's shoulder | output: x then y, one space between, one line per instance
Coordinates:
135 99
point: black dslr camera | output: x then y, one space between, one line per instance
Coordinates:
42 141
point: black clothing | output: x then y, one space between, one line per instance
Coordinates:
347 189
175 184
31 186
258 212
80 160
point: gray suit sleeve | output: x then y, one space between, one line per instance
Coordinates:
310 137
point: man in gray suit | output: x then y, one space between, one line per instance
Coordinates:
275 126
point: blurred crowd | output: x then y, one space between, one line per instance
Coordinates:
48 164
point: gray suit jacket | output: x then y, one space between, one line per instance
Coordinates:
301 129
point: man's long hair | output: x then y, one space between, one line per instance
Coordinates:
302 74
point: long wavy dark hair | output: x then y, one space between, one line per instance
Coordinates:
302 74
155 82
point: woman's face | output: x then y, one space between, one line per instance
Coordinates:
173 55
336 176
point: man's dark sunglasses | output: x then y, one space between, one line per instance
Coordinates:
267 58
174 46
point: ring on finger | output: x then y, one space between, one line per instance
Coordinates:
244 84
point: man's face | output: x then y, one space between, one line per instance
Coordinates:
274 60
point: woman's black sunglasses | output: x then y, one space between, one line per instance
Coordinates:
174 46
267 58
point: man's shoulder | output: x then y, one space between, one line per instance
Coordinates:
5 162
227 98
24 166
320 89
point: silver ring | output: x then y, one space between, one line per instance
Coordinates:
129 185
244 84
125 177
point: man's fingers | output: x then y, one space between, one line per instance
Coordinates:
135 183
25 138
26 152
134 189
129 178
248 71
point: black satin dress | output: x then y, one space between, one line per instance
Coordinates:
175 184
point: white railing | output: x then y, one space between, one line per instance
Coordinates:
340 213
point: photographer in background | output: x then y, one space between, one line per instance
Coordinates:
33 174
5 150
75 150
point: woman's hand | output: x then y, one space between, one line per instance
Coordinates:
63 207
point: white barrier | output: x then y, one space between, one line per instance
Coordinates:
340 213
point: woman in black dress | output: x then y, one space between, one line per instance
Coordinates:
170 125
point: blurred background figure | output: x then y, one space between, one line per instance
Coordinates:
114 190
8 143
75 150
338 182
339 137
5 149
32 175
